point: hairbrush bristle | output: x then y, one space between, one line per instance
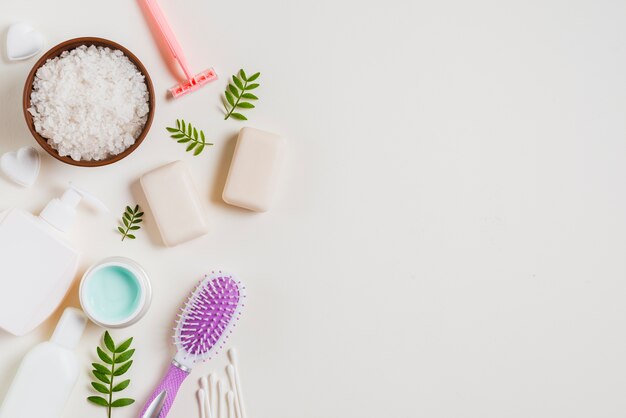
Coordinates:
206 320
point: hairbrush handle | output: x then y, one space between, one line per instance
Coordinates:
161 400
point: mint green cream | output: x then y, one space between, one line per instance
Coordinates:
112 293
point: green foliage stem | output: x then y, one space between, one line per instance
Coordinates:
237 90
116 361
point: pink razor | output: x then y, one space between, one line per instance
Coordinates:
204 324
192 83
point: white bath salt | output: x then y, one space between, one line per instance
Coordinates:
90 103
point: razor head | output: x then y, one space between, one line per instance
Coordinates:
194 83
207 319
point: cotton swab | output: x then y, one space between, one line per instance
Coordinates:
213 394
230 399
202 403
232 355
230 371
221 399
204 385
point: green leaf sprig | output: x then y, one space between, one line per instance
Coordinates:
240 90
185 133
116 362
130 222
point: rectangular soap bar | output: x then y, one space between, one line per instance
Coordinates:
174 202
254 170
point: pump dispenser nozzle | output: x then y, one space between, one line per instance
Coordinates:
61 212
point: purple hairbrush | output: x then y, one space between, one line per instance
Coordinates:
204 324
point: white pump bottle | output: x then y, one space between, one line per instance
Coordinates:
32 393
37 265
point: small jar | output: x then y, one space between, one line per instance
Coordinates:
115 293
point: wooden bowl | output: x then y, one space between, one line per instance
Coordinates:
69 45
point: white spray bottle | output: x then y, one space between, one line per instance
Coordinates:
32 393
37 265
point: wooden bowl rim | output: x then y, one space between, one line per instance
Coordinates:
67 46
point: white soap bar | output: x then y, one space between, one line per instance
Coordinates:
255 169
174 203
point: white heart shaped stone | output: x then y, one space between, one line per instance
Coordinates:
21 166
23 42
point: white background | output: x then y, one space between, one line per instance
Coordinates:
449 236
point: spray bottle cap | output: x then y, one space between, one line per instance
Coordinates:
61 212
69 329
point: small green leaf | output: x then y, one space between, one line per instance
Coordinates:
189 128
125 356
122 402
128 209
202 137
233 90
138 221
98 400
108 341
238 82
184 140
229 98
251 86
249 96
139 215
131 236
119 228
136 209
177 136
199 149
195 134
123 369
238 116
103 356
182 125
101 369
254 76
101 377
243 75
100 387
121 386
125 222
127 215
177 123
172 130
134 228
126 344
245 105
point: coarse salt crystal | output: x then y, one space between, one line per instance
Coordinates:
90 103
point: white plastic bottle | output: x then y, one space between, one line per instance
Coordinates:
37 265
48 373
